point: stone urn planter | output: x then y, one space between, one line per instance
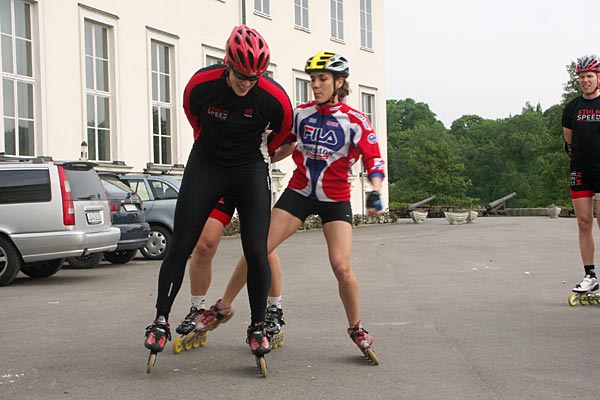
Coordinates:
472 216
456 218
553 211
418 217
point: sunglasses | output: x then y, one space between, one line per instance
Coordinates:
244 77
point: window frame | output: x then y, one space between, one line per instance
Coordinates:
260 6
108 21
337 20
304 22
33 117
366 24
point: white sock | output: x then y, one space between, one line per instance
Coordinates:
199 302
274 301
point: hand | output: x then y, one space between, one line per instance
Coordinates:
374 201
568 149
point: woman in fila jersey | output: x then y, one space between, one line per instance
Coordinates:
331 136
581 128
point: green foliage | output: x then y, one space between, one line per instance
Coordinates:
478 160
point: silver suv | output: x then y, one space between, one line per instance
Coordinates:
50 211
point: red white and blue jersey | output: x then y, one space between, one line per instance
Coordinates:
330 140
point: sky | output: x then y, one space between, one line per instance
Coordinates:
485 57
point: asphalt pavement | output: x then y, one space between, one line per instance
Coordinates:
474 311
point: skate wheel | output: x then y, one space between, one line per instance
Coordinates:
196 344
573 300
177 347
583 300
371 356
151 361
188 346
261 363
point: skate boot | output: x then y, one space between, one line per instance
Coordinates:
157 335
585 292
209 320
588 284
258 340
259 345
274 326
187 326
360 336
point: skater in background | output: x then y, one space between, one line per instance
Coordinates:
229 107
201 262
331 136
581 128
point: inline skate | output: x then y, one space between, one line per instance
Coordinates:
585 292
157 335
274 325
360 336
259 345
186 326
208 320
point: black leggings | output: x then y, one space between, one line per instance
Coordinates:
203 185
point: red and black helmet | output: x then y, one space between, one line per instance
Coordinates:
247 51
588 63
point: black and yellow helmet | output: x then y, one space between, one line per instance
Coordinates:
328 61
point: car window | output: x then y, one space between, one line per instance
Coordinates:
24 186
163 191
113 185
140 188
85 184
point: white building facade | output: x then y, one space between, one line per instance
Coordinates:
111 73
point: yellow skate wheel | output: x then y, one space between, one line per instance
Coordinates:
583 300
371 356
262 364
202 340
177 345
196 344
151 361
188 346
573 300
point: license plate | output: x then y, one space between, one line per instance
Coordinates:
94 218
130 207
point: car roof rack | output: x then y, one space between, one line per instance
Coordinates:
17 159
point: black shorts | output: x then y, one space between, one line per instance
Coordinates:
584 183
301 207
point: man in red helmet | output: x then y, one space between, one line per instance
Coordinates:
229 107
581 127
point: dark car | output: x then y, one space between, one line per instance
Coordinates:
159 194
127 214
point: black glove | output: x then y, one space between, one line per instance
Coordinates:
568 150
374 200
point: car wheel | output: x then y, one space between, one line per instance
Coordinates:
158 243
88 261
42 269
120 256
10 261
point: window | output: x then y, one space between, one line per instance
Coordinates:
212 60
301 13
98 90
366 24
262 6
303 92
16 43
162 106
337 19
368 107
31 186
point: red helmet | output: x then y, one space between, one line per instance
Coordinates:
588 63
247 51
